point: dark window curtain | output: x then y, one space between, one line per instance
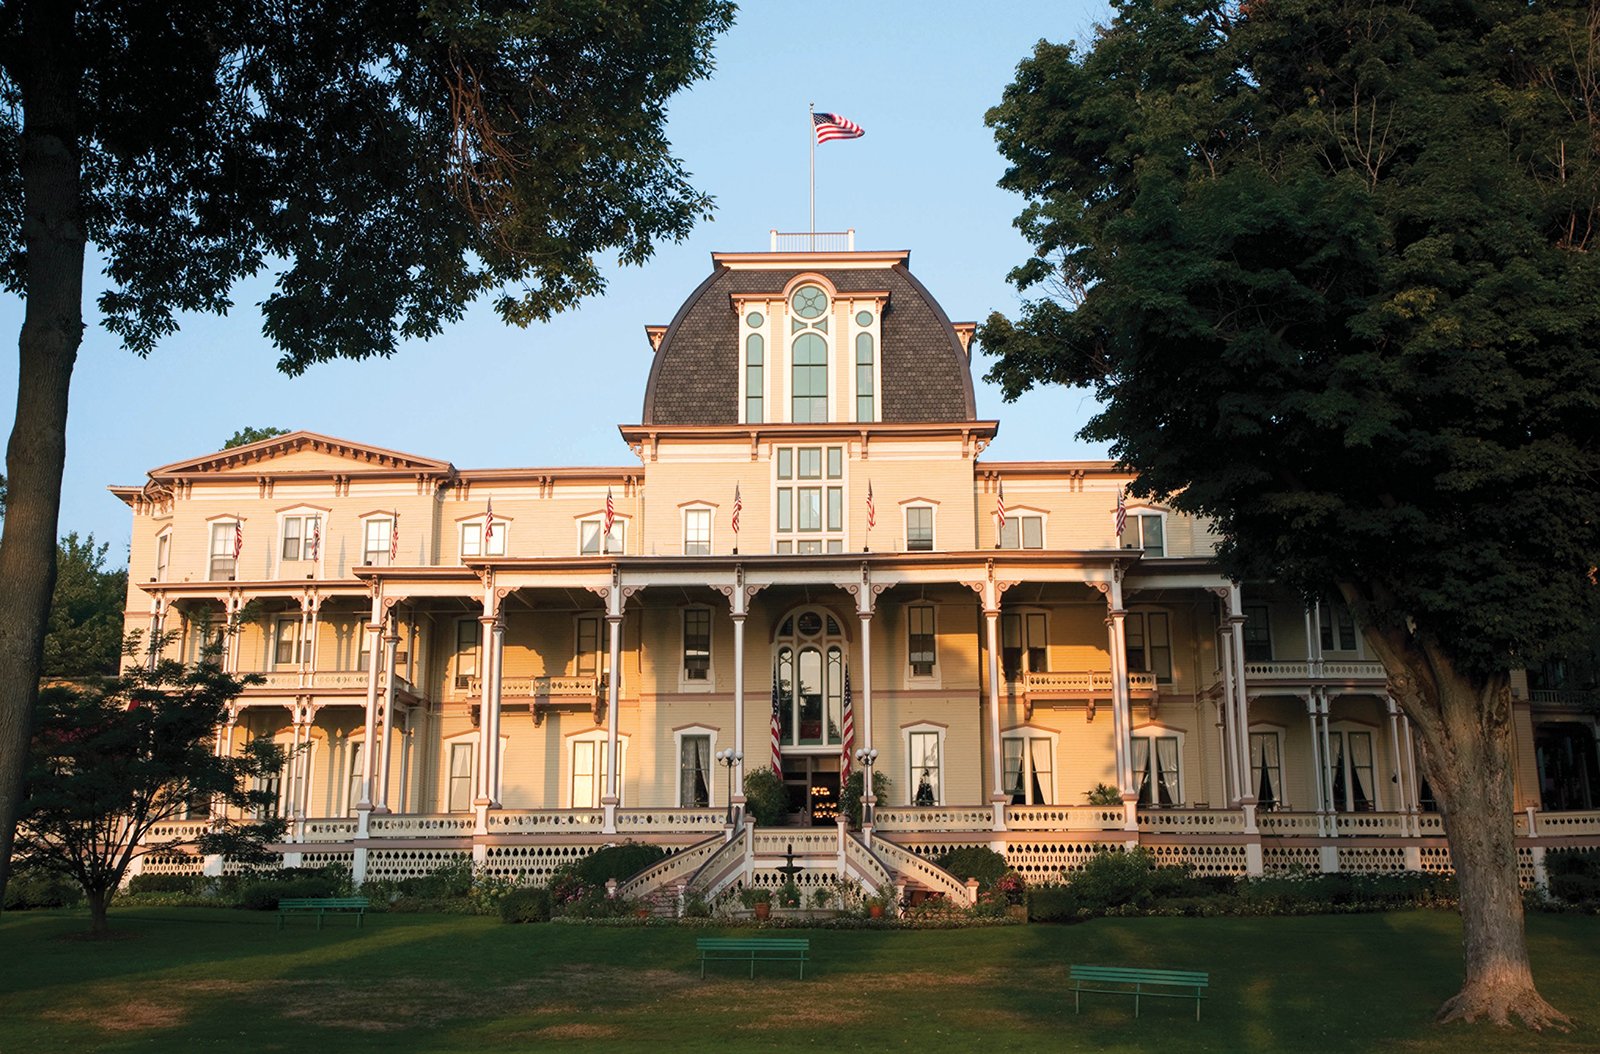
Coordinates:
1167 770
1141 767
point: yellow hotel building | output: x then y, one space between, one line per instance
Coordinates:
470 663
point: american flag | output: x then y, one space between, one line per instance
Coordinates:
1000 506
488 524
738 507
238 538
832 126
872 512
1122 511
777 724
848 733
611 512
394 537
316 538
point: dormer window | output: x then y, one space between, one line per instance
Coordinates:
1147 531
808 354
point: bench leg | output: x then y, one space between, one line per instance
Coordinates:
752 966
319 919
1136 990
1077 995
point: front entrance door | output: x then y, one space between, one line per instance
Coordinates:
813 783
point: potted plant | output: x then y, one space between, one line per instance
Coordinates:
885 899
850 795
758 900
789 895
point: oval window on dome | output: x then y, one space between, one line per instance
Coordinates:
863 318
754 320
809 301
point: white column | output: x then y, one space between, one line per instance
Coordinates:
307 745
997 794
488 703
1409 774
1230 773
1398 781
1122 706
311 641
380 800
1241 703
374 663
157 616
614 629
738 710
1316 759
304 645
1326 772
292 792
869 800
498 651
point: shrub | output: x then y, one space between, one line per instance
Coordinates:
1575 888
167 884
975 861
529 904
788 894
850 794
1104 794
1112 878
453 879
264 892
1052 904
620 862
37 888
1585 862
765 796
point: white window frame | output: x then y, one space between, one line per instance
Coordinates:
912 778
163 554
472 528
1136 525
1343 730
458 678
1027 734
226 525
467 741
1142 614
1277 732
1024 662
933 523
784 335
678 736
306 515
789 541
354 745
934 677
1017 515
693 510
854 329
617 545
765 331
1328 610
709 681
598 740
376 557
1151 732
296 625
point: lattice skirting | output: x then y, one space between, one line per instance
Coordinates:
1369 861
1277 860
531 865
1043 860
172 864
1205 859
410 863
329 859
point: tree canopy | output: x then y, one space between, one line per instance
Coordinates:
250 434
387 163
1330 269
85 637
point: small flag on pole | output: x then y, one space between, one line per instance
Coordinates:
847 733
832 126
394 537
738 507
777 723
488 524
316 538
872 512
238 538
1122 511
1000 506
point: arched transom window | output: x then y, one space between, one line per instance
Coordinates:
811 656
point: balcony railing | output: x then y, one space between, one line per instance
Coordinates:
278 680
1332 670
587 687
1084 683
814 241
1573 698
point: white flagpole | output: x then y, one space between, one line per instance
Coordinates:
812 243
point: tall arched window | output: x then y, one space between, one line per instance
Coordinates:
810 658
865 398
810 357
755 377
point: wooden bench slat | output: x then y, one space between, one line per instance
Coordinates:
1194 983
721 949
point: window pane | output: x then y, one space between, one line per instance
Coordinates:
472 539
1009 534
460 777
694 785
291 538
810 696
696 644
754 349
1042 785
919 529
785 462
1012 749
1155 543
925 768
921 641
835 462
810 502
810 462
785 509
1257 633
1160 646
835 508
1038 644
1032 532
589 532
697 532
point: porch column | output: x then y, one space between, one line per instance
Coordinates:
488 705
1409 774
1316 760
291 793
1325 774
230 629
997 794
1241 707
308 720
498 651
158 614
1397 781
406 740
1231 781
1121 704
302 646
374 642
380 800
739 596
615 599
223 748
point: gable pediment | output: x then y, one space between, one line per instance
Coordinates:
305 453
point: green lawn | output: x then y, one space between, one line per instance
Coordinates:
183 980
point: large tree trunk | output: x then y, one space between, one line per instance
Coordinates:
52 329
1465 726
99 901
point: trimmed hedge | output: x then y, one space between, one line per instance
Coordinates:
975 861
531 904
168 883
620 862
37 888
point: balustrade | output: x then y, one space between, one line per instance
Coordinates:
1063 818
670 819
1191 821
931 819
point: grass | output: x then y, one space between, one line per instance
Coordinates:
197 979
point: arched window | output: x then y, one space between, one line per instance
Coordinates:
810 658
755 376
810 388
866 409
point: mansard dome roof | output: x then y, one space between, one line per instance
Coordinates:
694 380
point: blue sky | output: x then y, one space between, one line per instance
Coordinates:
916 76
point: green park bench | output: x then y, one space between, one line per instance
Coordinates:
320 906
741 948
1138 982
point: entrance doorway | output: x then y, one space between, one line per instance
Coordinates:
813 785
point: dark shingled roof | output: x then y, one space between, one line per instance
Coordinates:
695 380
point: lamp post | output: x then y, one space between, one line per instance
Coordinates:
865 758
728 759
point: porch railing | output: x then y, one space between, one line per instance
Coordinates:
540 687
1063 818
539 821
1083 682
421 825
679 867
1191 821
279 680
668 820
913 818
934 877
1332 670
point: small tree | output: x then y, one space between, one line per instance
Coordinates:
111 762
85 634
248 435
